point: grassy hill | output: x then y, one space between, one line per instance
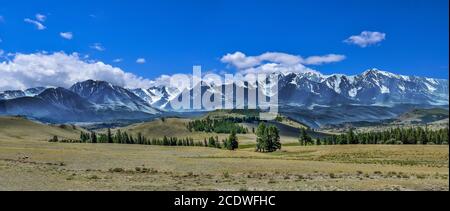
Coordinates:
174 127
423 116
18 128
251 113
435 118
233 113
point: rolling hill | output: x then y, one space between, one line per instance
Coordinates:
435 118
18 128
176 127
423 116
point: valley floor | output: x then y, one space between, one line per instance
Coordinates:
37 165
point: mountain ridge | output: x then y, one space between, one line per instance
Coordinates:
299 93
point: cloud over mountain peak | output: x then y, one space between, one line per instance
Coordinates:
61 70
277 62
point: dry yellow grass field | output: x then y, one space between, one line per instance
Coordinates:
34 165
29 162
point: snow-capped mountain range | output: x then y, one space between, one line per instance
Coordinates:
158 96
99 101
110 97
11 94
373 87
88 101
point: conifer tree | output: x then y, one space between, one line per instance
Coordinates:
233 142
212 142
304 138
109 136
119 137
274 142
93 138
268 138
261 138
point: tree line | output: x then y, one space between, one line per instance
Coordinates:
405 136
230 143
217 126
268 139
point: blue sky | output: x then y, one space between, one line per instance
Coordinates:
173 35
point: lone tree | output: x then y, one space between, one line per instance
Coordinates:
268 138
232 142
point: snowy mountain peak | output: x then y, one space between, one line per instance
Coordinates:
375 71
111 97
12 94
372 87
381 73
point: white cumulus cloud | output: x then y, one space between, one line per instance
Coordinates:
98 47
319 60
277 62
37 24
278 68
366 38
141 61
66 35
61 70
241 61
41 17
